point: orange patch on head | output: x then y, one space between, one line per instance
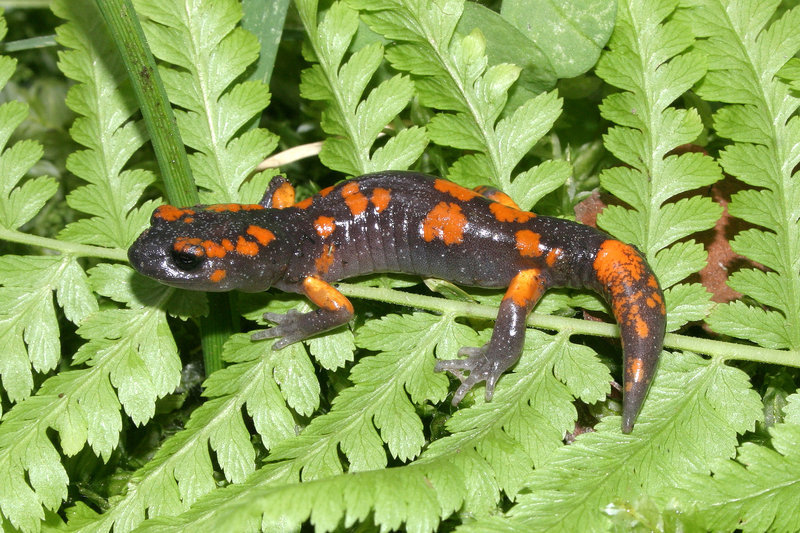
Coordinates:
354 199
553 255
324 226
445 222
525 288
528 243
305 204
324 295
283 196
503 213
213 249
245 247
262 235
381 198
217 276
191 245
171 213
456 191
324 262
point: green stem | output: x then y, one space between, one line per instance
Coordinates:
717 349
72 248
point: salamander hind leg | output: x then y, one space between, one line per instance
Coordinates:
488 362
334 310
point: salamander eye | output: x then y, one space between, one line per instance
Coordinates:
186 260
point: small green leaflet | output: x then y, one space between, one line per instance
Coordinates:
206 52
451 73
355 123
652 75
742 70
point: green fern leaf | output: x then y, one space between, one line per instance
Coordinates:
205 53
526 420
756 492
181 471
377 402
28 318
356 123
745 59
653 73
110 137
713 402
452 73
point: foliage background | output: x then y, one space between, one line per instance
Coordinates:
683 113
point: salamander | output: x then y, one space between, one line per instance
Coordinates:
410 223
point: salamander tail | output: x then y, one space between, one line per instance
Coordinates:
638 306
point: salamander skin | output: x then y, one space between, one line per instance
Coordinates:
416 224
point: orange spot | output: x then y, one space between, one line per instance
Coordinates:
642 330
227 244
262 235
528 243
651 281
245 247
283 196
616 261
305 203
324 226
495 195
189 244
217 276
525 288
445 222
381 198
456 191
503 213
171 213
326 191
634 372
324 295
553 255
354 199
233 208
188 220
324 262
213 249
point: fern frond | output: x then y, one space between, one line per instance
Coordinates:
452 73
745 57
181 471
28 323
204 52
106 128
411 498
756 492
650 62
356 123
713 403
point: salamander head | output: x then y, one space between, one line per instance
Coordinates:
212 248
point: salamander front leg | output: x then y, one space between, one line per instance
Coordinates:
334 310
508 337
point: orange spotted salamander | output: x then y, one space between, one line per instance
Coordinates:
416 224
